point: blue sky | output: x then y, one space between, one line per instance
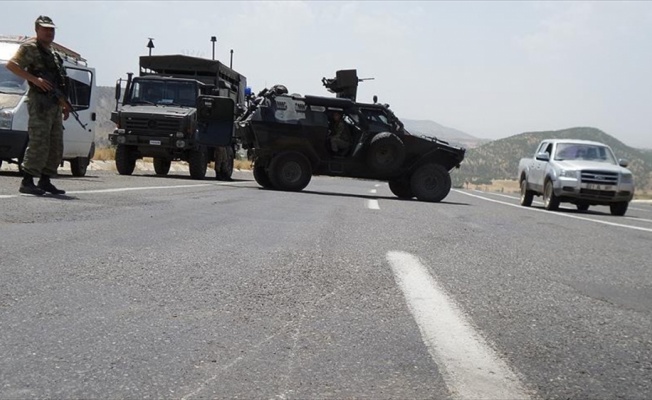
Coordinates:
491 69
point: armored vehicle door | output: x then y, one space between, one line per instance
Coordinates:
215 116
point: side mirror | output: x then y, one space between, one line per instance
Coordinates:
623 162
543 157
118 91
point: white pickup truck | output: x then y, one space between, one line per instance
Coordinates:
580 172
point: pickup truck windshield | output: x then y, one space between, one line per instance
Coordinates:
164 92
10 83
589 152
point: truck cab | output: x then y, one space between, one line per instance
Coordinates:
78 137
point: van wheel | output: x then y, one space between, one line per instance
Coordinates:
224 170
401 188
430 182
79 165
550 200
386 152
125 161
290 171
162 165
198 163
526 195
261 176
619 209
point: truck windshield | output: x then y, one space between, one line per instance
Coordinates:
579 151
10 83
164 92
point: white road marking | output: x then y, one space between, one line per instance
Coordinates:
555 213
378 185
470 368
373 205
373 191
130 189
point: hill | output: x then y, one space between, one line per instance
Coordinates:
105 104
499 159
433 129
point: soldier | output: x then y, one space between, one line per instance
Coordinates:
341 135
36 62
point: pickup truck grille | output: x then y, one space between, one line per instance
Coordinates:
144 125
600 177
598 194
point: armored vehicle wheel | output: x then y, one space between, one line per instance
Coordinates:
224 170
125 161
550 200
261 177
619 209
401 188
162 165
526 195
386 152
430 182
79 165
198 163
582 206
290 171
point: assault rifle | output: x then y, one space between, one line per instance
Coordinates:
62 99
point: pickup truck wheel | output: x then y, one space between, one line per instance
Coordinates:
526 195
619 209
550 201
582 206
162 165
386 153
261 177
224 169
198 163
430 182
401 188
290 171
125 162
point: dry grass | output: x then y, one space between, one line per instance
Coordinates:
512 187
242 164
104 154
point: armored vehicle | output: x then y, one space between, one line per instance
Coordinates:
158 117
290 139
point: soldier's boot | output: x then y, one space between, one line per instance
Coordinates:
45 184
27 186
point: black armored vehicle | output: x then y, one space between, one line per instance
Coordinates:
289 138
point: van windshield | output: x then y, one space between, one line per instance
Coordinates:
10 83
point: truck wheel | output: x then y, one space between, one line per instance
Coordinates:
619 209
430 182
162 165
79 165
550 200
290 171
198 163
386 153
582 206
261 176
224 170
401 188
125 162
526 195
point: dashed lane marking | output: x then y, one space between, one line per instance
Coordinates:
470 368
373 204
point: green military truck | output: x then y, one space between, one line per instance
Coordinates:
156 115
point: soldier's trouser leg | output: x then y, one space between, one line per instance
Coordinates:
45 147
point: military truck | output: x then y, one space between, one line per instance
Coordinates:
288 138
157 116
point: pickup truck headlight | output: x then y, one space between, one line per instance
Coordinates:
6 119
569 173
627 178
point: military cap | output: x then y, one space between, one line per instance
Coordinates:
45 22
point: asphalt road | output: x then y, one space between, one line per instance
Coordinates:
166 287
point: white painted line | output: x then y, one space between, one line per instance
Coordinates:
555 213
470 368
373 204
378 185
7 196
373 191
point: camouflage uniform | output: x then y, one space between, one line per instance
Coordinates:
341 139
45 126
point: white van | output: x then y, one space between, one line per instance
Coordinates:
78 145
